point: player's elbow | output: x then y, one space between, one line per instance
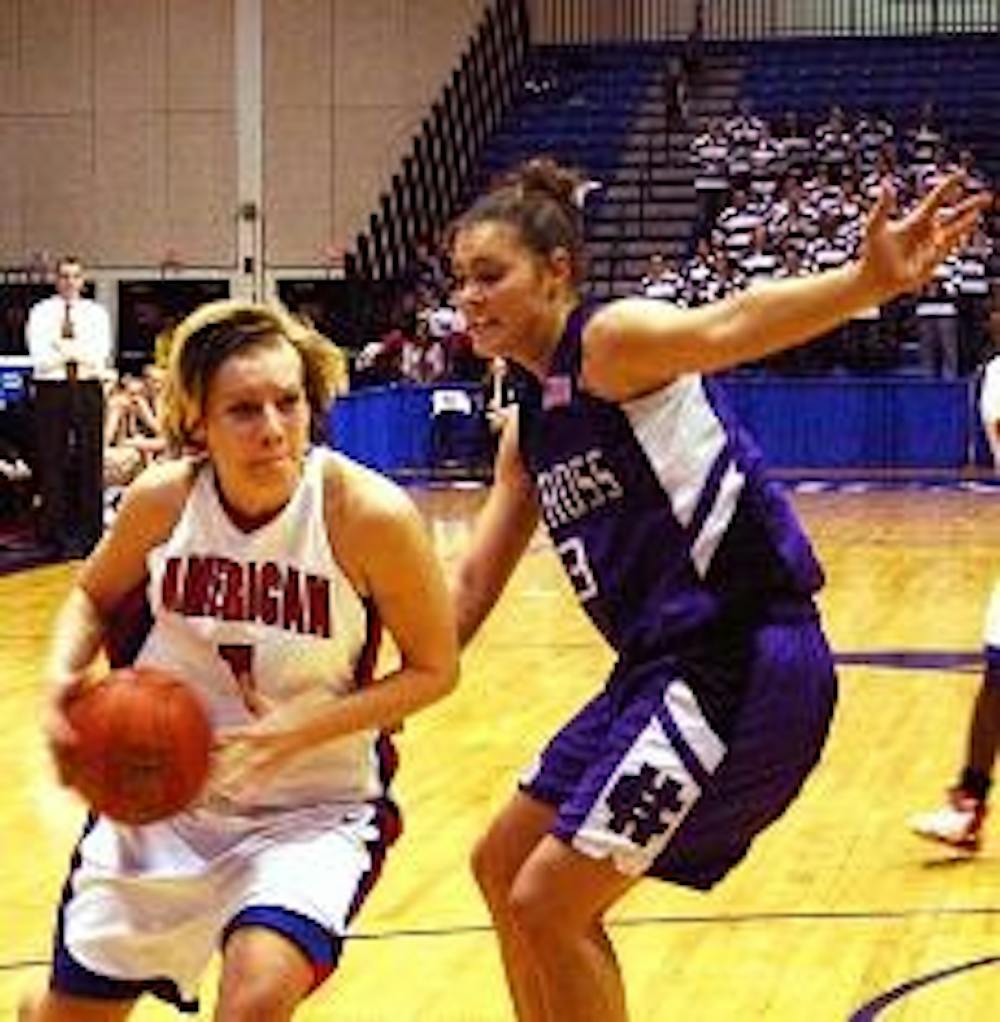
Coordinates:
439 679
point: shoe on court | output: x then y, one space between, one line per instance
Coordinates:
958 823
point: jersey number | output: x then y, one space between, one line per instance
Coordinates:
574 558
240 661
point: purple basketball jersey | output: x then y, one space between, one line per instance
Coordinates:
662 514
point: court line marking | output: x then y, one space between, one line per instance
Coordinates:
871 1010
628 922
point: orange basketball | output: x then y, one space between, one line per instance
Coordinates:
144 744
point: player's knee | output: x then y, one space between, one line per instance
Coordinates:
256 999
486 864
533 912
493 864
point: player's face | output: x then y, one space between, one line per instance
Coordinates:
510 296
256 426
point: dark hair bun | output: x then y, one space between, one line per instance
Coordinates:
540 199
543 174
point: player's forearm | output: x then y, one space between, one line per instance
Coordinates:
46 358
473 599
76 638
776 315
380 705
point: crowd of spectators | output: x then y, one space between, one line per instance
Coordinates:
426 341
783 200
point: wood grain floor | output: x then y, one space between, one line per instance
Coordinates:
838 907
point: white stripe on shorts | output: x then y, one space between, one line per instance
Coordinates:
651 790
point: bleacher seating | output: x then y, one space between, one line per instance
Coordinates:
609 111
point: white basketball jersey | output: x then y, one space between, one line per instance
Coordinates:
989 406
254 619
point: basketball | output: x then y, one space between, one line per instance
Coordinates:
144 745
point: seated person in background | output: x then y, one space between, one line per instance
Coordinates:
424 357
133 436
662 280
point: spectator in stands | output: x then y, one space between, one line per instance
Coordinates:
937 321
429 277
761 262
829 248
662 280
852 201
793 221
959 823
745 127
796 140
871 132
698 271
803 359
828 251
710 155
926 174
379 361
974 179
688 560
736 224
973 298
768 163
824 193
133 434
69 341
834 142
424 358
886 170
926 135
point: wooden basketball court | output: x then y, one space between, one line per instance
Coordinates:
839 913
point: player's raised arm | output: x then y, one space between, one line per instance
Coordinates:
635 345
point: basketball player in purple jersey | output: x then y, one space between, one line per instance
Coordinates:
689 562
260 570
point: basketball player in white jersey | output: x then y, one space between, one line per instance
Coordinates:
959 822
258 569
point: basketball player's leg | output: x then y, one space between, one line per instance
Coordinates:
959 822
519 830
496 862
264 975
297 898
52 1006
984 729
557 904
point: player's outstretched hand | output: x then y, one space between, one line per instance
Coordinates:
900 254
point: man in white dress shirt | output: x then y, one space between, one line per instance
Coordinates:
69 341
